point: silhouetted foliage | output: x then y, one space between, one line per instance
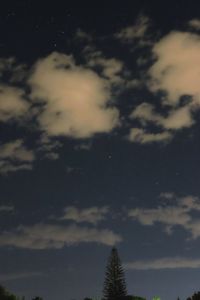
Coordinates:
37 298
196 296
114 284
130 297
5 295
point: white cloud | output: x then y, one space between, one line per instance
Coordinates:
164 263
177 67
47 236
15 156
176 214
136 31
75 99
90 215
12 103
139 135
176 72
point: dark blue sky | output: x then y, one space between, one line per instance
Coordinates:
99 146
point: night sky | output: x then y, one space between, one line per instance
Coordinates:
99 146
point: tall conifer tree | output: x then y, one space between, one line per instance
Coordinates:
114 284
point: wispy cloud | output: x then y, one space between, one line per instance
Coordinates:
12 103
6 208
167 126
8 167
175 119
48 147
194 24
82 35
136 31
110 68
164 263
171 215
89 215
19 275
48 236
15 156
141 136
13 71
15 150
83 146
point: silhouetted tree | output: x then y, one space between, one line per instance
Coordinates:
114 284
37 298
196 296
5 295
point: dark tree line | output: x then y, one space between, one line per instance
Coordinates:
196 296
114 284
5 295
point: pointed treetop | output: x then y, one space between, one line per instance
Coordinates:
114 284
